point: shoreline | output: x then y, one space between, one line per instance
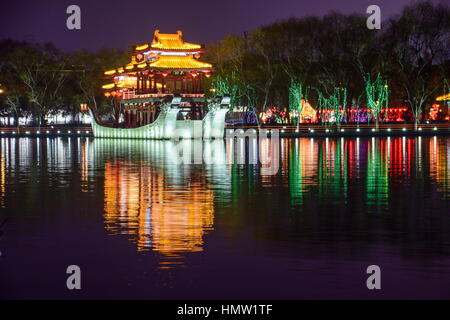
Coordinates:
284 131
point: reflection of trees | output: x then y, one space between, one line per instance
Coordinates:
439 163
333 170
302 167
2 181
377 183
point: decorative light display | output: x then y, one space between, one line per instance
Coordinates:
224 85
139 56
377 97
108 86
143 47
332 109
295 98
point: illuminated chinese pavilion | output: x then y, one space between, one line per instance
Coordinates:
165 67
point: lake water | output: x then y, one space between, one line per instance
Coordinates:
141 225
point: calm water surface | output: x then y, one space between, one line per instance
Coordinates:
141 225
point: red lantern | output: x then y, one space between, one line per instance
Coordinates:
116 79
207 74
113 93
151 75
107 94
194 74
164 73
197 56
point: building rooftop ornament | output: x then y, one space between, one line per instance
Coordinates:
172 41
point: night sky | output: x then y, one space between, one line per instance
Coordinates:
120 23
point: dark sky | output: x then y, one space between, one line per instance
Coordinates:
121 23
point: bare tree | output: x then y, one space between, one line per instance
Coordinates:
41 71
418 40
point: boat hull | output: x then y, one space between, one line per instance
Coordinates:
166 126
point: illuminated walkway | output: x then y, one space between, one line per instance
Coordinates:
353 129
284 130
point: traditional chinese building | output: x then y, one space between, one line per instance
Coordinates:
158 70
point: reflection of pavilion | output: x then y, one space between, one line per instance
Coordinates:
170 219
162 206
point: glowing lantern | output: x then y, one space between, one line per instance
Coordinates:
107 94
113 93
151 75
116 79
197 56
194 74
208 74
164 73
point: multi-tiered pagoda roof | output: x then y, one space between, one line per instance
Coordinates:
167 58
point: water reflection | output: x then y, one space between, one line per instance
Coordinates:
149 195
163 205
331 166
170 218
